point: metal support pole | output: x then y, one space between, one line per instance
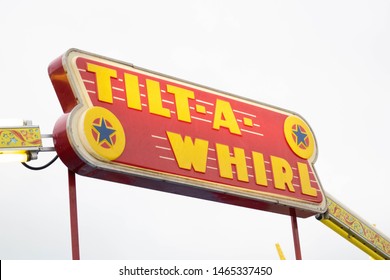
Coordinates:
74 230
294 226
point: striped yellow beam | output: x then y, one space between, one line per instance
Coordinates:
354 229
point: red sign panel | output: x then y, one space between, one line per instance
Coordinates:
131 125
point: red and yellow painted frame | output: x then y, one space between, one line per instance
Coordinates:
356 230
127 124
20 138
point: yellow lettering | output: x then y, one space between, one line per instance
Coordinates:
225 117
103 81
305 180
189 154
225 162
133 95
181 100
259 169
283 174
154 99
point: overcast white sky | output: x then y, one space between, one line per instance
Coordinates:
329 61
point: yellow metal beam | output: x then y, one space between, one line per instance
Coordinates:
352 239
354 229
280 252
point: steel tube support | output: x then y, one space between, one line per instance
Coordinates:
294 226
74 229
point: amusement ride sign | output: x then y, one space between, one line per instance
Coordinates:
127 124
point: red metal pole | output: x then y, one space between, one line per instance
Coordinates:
74 229
294 226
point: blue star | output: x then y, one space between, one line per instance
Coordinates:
104 132
301 136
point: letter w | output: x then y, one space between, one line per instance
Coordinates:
189 154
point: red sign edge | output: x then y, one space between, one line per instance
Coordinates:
75 162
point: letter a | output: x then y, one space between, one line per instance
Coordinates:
225 117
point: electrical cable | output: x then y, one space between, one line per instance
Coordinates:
40 167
